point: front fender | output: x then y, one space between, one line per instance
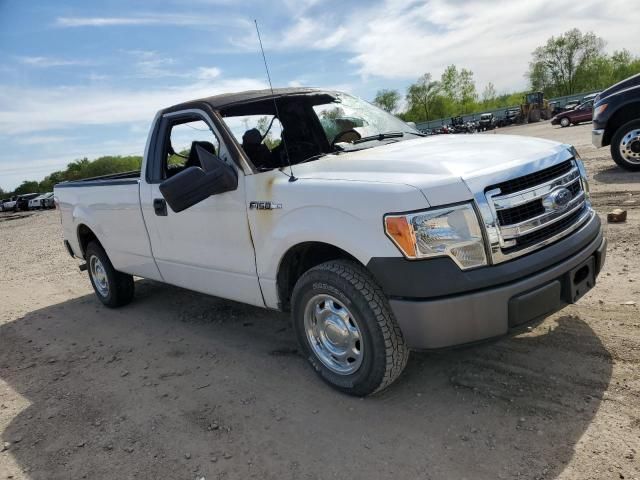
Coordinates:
332 226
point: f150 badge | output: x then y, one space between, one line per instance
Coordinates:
254 205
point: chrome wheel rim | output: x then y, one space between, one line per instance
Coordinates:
99 276
630 146
564 122
333 334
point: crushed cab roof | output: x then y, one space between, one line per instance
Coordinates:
218 102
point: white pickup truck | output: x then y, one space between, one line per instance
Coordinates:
376 238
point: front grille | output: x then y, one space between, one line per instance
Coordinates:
575 188
533 179
526 210
546 232
520 213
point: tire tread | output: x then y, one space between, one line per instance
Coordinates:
396 350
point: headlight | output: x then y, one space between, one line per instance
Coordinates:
599 109
450 231
583 173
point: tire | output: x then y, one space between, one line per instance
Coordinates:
379 353
627 139
534 116
114 289
564 122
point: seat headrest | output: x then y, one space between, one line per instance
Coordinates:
252 137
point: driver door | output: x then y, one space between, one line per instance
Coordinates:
207 247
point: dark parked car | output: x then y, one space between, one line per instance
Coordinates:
616 122
570 105
487 122
582 113
48 201
510 117
23 201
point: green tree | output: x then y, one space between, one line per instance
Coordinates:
561 59
28 186
489 95
421 96
466 87
459 89
387 99
449 83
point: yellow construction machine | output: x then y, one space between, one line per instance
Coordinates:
534 108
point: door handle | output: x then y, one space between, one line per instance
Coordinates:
160 207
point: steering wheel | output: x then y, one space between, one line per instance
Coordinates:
345 136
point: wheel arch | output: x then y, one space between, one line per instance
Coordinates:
300 258
85 235
624 114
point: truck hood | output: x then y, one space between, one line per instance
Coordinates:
625 84
444 163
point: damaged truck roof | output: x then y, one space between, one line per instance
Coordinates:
218 102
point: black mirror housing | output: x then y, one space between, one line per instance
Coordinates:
193 184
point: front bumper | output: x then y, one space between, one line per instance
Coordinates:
492 312
597 137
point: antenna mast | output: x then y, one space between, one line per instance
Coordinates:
292 178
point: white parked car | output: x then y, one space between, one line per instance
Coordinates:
377 239
41 201
36 203
9 205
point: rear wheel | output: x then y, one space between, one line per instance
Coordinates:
113 288
625 146
534 115
346 328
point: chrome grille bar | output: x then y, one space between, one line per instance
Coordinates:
539 191
520 216
541 221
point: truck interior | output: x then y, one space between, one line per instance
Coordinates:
260 126
305 126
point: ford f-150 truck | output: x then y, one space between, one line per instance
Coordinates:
377 239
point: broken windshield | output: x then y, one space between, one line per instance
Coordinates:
348 119
307 127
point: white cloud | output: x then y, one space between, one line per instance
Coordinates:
150 64
25 112
399 39
38 109
208 73
160 19
45 62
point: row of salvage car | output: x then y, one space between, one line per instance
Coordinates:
28 201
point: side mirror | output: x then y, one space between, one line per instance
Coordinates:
412 125
193 184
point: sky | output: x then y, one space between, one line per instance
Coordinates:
84 79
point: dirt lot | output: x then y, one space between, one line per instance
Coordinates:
183 386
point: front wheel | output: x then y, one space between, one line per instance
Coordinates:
346 328
625 146
564 122
113 288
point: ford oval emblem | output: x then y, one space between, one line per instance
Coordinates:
558 199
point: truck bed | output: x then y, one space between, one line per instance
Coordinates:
111 210
123 178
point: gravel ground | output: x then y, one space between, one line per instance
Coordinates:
178 385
